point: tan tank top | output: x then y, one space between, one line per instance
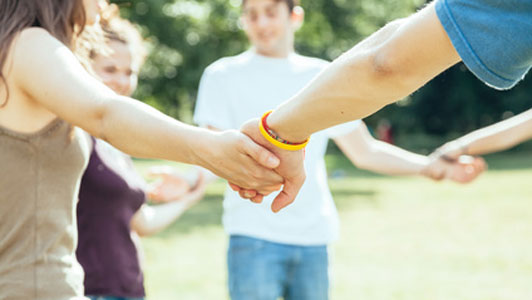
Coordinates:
39 180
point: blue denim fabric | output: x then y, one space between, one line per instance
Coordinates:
262 270
491 36
112 298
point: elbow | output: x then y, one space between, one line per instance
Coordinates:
363 159
143 230
94 123
385 65
364 164
142 233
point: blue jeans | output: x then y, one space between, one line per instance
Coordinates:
112 298
262 270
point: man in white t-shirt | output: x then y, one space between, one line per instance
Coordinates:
284 255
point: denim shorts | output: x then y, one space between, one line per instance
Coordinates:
262 270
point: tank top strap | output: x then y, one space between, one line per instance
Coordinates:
50 127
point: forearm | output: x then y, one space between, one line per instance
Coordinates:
141 131
380 70
152 219
384 158
499 136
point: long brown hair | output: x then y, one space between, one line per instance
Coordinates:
63 19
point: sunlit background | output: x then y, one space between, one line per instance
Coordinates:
402 238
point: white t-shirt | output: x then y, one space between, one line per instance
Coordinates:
236 89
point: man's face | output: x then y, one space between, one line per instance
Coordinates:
269 26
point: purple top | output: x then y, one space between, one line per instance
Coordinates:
111 193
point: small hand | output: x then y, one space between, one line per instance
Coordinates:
169 186
291 169
463 170
195 194
466 169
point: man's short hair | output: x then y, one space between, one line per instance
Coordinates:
290 3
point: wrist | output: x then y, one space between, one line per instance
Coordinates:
279 123
422 168
275 139
199 147
464 147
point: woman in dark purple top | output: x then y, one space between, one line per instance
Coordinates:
110 195
112 210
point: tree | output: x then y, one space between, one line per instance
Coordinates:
186 36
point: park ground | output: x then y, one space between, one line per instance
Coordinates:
401 238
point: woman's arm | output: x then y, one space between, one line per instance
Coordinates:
368 153
497 137
149 220
47 71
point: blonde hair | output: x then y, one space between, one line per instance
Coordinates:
118 29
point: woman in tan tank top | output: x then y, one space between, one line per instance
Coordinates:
44 93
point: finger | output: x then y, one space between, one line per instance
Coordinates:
480 164
257 199
257 178
288 194
159 171
247 194
262 156
234 187
269 189
263 178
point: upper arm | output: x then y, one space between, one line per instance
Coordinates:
49 73
139 220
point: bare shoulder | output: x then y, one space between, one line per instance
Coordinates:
34 35
33 41
35 49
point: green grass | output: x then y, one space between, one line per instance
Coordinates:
401 238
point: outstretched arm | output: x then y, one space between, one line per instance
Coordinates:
497 137
47 71
150 219
387 66
368 153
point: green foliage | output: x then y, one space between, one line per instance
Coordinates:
186 36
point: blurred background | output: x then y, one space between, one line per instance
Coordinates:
402 238
186 36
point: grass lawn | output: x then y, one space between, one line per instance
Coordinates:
401 238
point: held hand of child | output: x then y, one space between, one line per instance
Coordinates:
462 170
466 169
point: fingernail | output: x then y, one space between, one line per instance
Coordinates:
273 161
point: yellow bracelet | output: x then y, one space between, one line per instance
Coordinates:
274 139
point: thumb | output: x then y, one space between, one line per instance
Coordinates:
261 155
288 194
